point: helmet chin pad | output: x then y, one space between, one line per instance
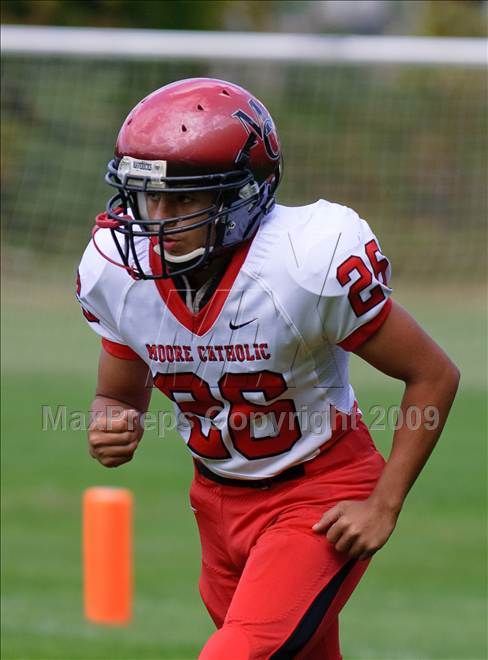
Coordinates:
181 258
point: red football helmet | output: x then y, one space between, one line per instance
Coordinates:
199 134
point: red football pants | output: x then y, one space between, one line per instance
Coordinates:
273 587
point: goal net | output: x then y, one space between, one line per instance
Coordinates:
394 128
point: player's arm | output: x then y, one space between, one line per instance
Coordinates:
123 393
402 350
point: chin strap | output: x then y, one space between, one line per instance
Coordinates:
130 270
182 258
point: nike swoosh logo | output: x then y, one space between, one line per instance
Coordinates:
241 325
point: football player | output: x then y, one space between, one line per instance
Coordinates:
244 312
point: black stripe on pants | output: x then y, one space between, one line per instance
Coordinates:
313 616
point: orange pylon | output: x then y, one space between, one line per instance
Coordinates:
107 554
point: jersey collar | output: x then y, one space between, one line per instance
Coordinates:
201 322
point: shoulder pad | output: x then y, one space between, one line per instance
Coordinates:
318 244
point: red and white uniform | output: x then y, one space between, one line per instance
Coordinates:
267 357
255 377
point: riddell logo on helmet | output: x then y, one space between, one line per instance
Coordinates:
141 165
264 130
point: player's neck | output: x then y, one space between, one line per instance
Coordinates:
197 278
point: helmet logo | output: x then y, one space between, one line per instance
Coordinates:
261 127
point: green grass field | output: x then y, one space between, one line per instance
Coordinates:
423 597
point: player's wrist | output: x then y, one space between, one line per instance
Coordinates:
388 503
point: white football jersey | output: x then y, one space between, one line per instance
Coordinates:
258 373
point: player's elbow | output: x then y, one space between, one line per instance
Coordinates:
448 372
450 381
441 372
452 375
435 367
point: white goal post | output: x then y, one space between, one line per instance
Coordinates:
182 44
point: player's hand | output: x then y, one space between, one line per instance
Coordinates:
113 440
357 528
